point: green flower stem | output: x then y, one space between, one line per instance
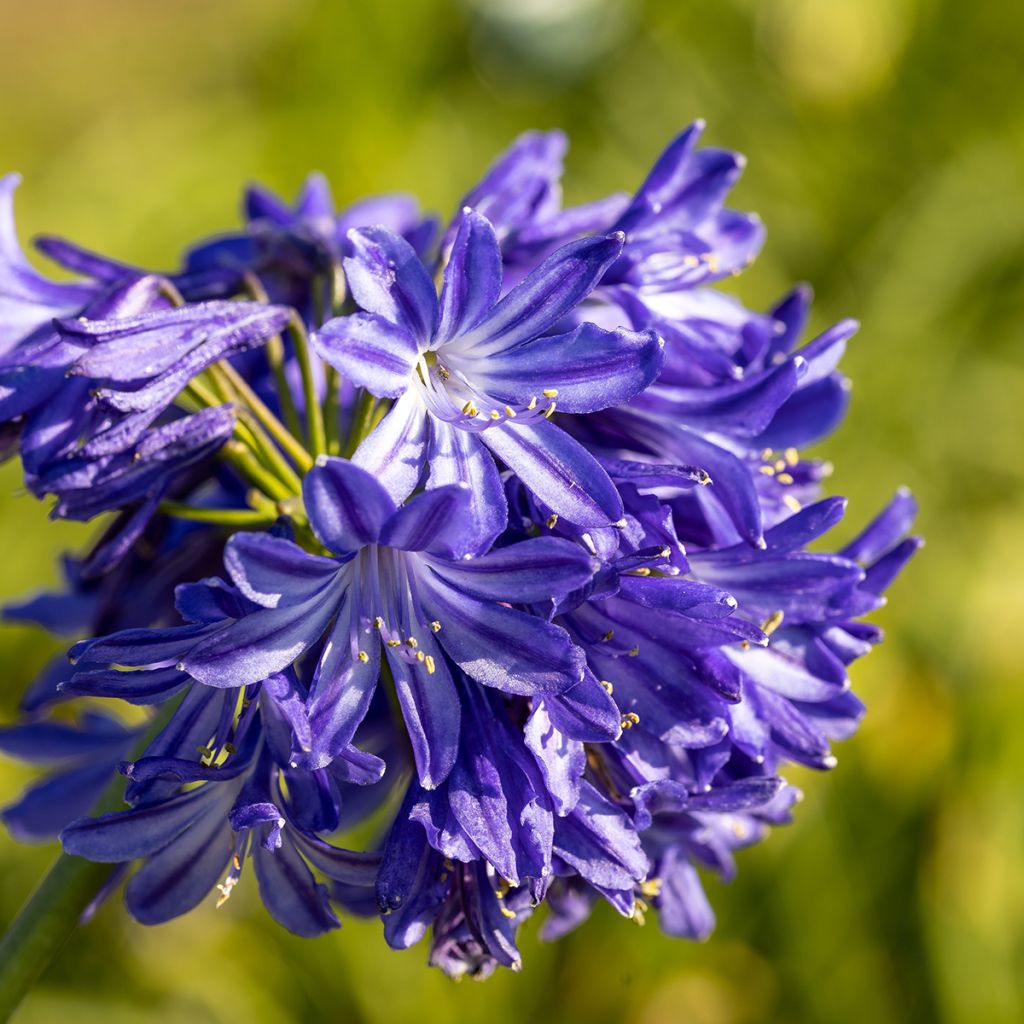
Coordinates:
332 410
273 426
314 412
53 911
241 457
45 924
276 358
362 418
268 453
234 517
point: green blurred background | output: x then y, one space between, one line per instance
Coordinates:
886 148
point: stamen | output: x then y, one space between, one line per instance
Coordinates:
428 662
784 478
792 456
510 412
552 521
791 503
412 642
549 411
608 687
772 623
436 626
608 636
533 404
634 650
550 392
767 470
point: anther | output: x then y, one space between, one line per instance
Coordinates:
505 912
495 415
608 635
412 642
436 626
428 663
767 470
550 392
378 623
550 411
791 503
784 478
552 521
772 623
363 657
393 643
634 650
533 404
510 412
792 456
609 689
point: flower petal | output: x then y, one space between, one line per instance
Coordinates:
386 277
347 506
542 298
590 368
499 646
472 277
369 350
396 449
558 470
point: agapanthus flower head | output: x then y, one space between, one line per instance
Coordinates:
494 542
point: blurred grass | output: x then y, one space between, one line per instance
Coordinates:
886 146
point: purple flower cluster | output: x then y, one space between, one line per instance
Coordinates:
494 532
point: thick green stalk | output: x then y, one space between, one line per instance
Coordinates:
53 911
316 434
234 517
273 426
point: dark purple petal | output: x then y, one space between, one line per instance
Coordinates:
369 350
683 909
139 832
175 880
290 892
885 531
343 686
433 521
558 470
542 298
599 842
431 711
561 760
386 277
499 646
472 277
266 642
347 506
539 569
589 368
274 572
